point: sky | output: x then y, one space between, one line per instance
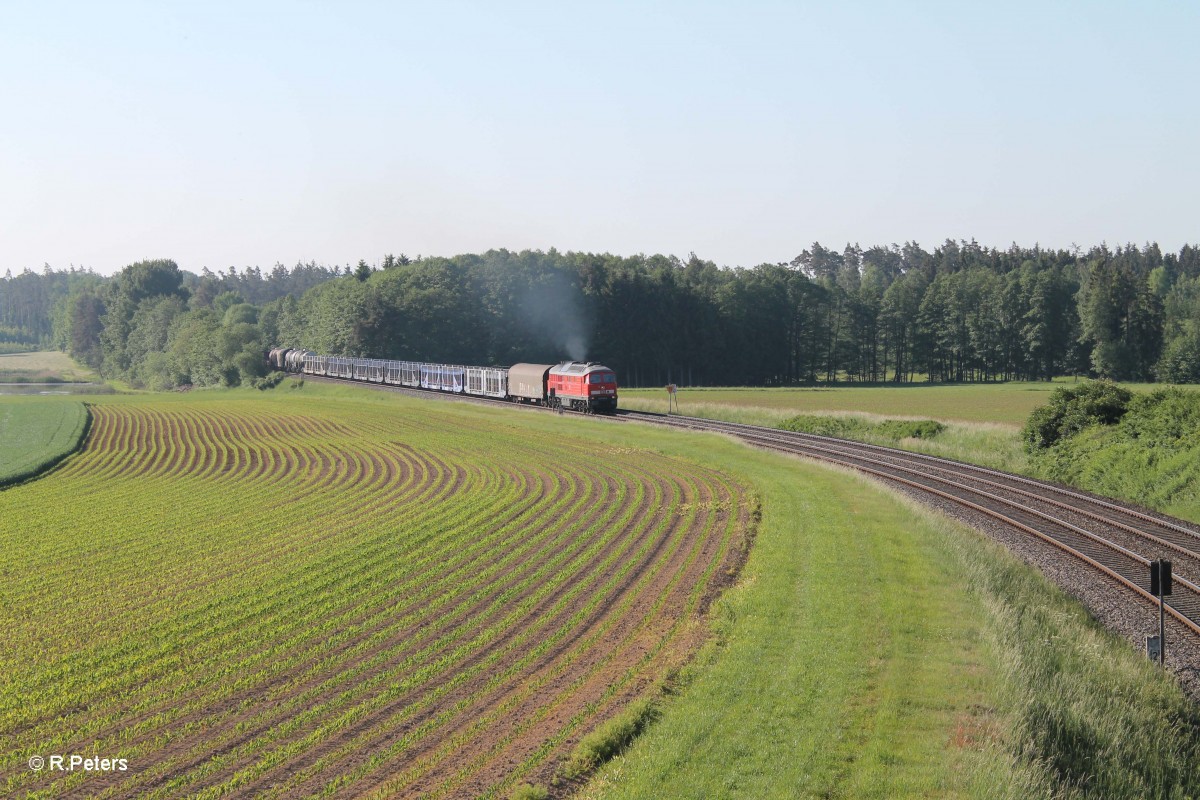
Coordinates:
254 133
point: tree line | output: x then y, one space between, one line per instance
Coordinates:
896 314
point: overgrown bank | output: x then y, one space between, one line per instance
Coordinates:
1101 437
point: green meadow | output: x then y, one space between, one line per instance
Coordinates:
981 422
1003 403
42 366
36 433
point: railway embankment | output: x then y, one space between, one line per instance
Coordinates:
1144 448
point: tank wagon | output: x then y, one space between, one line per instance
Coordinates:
577 385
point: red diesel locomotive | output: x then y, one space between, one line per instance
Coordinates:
582 386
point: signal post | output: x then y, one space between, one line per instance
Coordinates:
1160 587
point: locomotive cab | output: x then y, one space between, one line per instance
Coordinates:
583 386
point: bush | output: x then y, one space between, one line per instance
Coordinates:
269 381
1164 418
910 429
842 427
1073 408
1151 456
529 792
1180 362
857 428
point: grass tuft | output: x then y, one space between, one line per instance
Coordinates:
610 739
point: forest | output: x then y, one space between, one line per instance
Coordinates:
899 314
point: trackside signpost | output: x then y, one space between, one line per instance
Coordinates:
1160 587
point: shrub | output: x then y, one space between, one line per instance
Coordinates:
1073 408
529 792
1163 418
1180 362
269 381
910 429
857 428
842 427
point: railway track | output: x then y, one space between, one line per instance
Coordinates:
1110 539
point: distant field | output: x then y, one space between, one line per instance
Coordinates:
47 365
283 595
983 421
1002 403
36 433
1005 403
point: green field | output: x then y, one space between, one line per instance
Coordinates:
1005 404
286 594
337 591
42 366
35 433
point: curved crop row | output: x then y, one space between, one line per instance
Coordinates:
291 599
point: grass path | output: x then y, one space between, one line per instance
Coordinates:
875 649
850 662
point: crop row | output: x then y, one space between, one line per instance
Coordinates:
285 599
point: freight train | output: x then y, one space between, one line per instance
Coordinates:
576 385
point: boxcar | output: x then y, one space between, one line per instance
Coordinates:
527 382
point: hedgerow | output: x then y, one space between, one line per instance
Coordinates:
859 428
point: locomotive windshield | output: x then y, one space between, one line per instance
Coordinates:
602 377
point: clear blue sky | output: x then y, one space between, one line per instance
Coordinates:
244 134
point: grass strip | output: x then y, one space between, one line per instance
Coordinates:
876 649
35 436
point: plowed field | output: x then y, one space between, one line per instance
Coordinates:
293 597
